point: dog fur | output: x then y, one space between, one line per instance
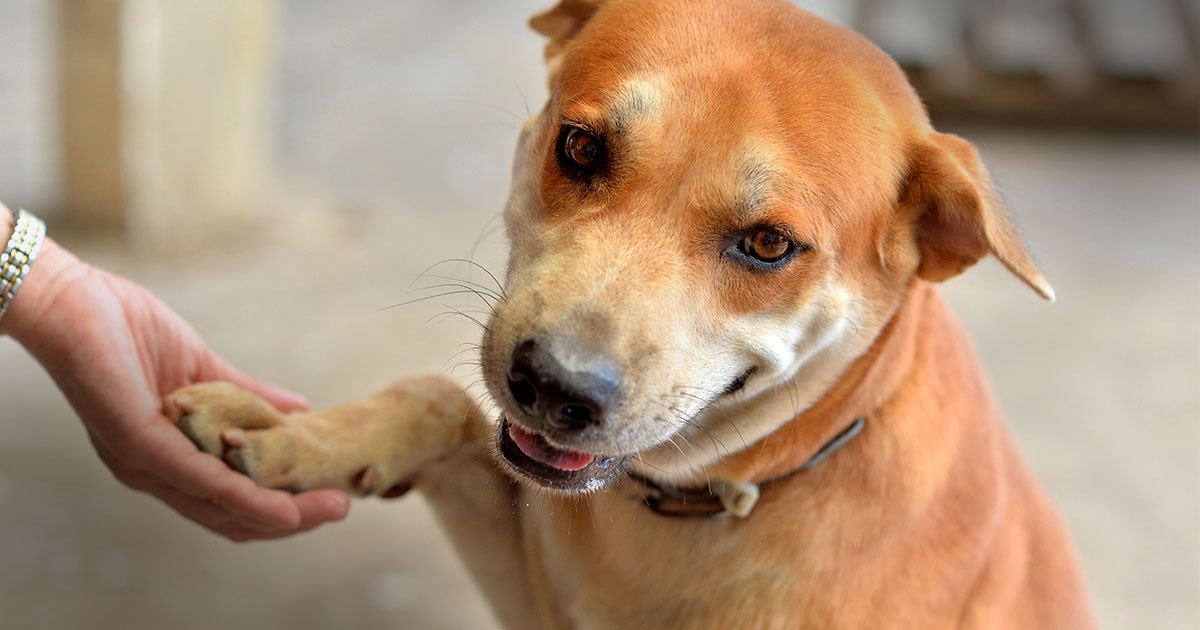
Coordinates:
720 119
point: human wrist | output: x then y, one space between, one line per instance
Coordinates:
53 270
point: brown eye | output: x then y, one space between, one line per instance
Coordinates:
767 245
583 150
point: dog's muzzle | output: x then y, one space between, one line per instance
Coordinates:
557 403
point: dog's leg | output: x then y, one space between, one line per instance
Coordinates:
422 432
376 445
477 505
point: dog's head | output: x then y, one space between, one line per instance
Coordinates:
720 198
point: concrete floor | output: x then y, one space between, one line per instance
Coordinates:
1102 389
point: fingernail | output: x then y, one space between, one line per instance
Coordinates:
342 503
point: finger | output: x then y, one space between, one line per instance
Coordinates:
167 454
214 518
203 513
221 370
321 506
143 481
317 507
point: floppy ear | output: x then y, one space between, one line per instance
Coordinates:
958 217
562 23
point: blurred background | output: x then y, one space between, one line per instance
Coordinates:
280 171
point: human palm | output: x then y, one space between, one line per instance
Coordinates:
115 350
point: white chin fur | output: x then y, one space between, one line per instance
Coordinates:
799 360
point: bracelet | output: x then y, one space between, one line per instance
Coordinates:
22 249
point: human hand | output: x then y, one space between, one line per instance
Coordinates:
115 350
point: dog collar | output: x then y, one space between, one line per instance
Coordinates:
714 500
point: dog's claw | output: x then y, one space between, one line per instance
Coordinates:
234 438
236 460
184 404
398 490
364 481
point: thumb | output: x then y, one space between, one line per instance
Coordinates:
221 370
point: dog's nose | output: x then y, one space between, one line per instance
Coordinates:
568 400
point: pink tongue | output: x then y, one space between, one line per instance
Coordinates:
536 447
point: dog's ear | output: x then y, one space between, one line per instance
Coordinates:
959 218
562 23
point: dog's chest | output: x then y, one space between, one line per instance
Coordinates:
607 561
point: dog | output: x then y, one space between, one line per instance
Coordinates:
731 395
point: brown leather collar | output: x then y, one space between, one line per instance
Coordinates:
676 502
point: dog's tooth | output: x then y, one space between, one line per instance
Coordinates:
739 497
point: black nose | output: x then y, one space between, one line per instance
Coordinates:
567 400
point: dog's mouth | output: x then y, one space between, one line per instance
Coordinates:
532 456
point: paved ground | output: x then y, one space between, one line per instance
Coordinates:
401 121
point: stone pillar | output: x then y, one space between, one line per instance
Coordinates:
166 109
89 108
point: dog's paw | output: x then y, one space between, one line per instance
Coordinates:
208 411
295 453
236 426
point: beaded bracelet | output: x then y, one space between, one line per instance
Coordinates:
23 245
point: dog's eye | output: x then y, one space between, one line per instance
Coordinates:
767 245
583 150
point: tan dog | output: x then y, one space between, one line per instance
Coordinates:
724 228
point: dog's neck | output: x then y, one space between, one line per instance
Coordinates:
867 384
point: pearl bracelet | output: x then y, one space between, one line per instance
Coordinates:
23 245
